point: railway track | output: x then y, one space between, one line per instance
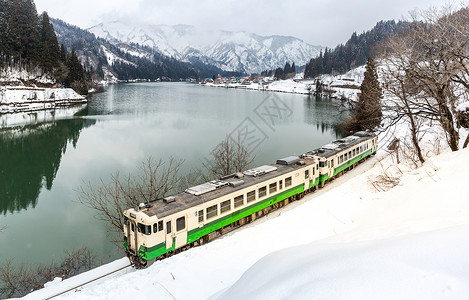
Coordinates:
74 283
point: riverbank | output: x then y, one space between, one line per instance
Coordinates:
21 99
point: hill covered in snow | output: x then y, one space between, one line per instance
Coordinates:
357 238
242 52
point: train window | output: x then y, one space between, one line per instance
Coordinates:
332 163
345 156
272 188
155 228
280 185
160 226
350 155
145 229
322 164
239 201
353 152
132 226
125 219
287 181
180 223
306 174
201 216
168 227
357 150
262 191
313 171
251 196
212 211
225 206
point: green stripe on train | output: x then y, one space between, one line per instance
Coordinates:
193 235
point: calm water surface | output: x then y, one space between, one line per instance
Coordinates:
42 164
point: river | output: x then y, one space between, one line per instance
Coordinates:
45 160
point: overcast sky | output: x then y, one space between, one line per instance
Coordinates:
318 22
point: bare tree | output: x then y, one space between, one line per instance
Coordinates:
427 69
228 157
19 281
402 104
155 180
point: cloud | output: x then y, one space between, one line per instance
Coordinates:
315 21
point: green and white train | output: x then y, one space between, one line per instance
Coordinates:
166 226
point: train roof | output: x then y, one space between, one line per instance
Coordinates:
226 185
341 144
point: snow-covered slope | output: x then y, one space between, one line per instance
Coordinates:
230 51
346 241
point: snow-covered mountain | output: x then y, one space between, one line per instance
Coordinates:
230 51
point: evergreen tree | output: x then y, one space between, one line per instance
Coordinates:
4 17
367 114
63 54
76 77
23 31
279 73
50 47
286 69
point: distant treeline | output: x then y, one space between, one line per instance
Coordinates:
288 71
354 53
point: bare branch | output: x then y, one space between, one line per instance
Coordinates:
155 180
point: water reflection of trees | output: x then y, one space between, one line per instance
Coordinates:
323 113
29 159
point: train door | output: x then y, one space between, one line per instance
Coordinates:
181 231
132 235
169 235
308 176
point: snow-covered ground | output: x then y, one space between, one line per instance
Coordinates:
343 86
21 98
357 238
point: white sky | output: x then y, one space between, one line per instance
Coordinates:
318 22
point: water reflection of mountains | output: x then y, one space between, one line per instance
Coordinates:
30 157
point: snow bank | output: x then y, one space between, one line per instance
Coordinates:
57 286
19 98
288 86
344 241
422 266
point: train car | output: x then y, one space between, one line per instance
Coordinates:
165 226
344 154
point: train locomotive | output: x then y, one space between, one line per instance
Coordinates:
166 226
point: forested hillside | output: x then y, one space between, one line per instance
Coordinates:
354 52
28 44
126 61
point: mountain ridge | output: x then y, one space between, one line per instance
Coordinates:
239 51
